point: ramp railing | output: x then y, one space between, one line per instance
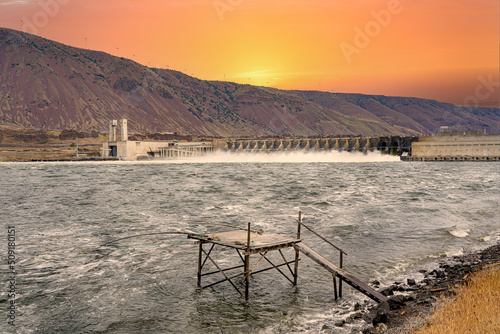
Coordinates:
341 255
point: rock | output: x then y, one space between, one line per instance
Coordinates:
410 297
375 282
366 329
378 314
411 282
357 330
396 301
388 291
422 271
436 273
430 300
349 320
405 288
339 323
381 328
325 327
357 306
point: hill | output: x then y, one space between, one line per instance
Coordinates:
48 85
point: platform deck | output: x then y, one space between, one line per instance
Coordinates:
238 239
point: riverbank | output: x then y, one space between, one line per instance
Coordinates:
412 303
417 306
475 309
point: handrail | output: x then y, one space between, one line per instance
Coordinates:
328 242
341 253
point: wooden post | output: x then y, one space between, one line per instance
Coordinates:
340 279
247 264
199 263
335 285
297 254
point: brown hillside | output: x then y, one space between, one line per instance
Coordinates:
45 84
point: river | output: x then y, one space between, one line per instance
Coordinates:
392 218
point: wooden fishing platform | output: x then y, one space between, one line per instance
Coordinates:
248 242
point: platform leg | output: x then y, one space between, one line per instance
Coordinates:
340 280
297 253
200 252
335 286
247 264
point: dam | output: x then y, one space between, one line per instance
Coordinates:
396 145
446 146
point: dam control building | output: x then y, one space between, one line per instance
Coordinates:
456 146
124 149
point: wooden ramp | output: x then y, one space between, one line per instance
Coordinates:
345 276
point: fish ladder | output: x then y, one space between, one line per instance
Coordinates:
343 275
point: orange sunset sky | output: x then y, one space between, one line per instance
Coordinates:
446 50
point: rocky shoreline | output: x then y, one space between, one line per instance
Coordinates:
411 302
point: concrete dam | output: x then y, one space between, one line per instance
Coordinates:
396 145
446 146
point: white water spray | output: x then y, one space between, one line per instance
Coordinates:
252 157
288 157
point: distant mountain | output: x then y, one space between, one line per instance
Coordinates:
45 84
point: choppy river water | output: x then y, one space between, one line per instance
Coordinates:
391 217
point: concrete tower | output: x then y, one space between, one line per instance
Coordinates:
112 130
123 129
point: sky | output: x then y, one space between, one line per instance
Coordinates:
446 50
